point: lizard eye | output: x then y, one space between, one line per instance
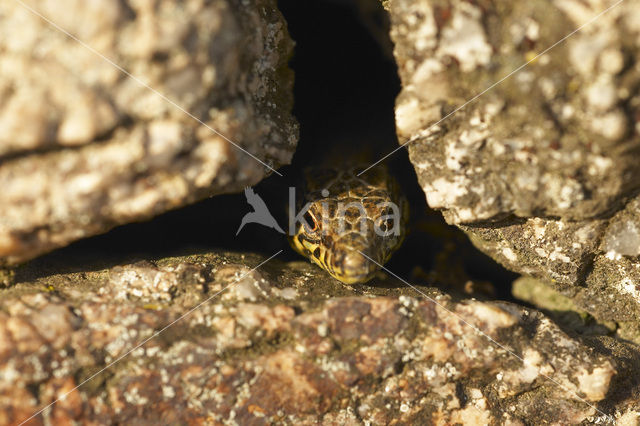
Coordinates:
310 223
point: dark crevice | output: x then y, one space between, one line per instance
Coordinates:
345 90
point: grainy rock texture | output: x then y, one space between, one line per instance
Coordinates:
591 261
542 170
271 345
84 147
565 311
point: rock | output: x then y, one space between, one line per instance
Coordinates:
183 344
555 251
540 170
84 147
581 259
563 309
557 138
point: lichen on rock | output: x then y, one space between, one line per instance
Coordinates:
263 357
542 142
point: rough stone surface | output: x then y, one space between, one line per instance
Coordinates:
286 343
84 147
564 311
557 138
542 170
591 261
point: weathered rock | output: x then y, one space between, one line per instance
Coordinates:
287 343
84 147
564 311
555 139
591 261
541 170
556 251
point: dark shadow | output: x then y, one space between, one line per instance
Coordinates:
345 91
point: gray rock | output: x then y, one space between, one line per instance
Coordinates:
582 259
622 237
556 251
563 310
542 170
555 139
84 148
287 343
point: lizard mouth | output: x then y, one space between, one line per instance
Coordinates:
347 266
